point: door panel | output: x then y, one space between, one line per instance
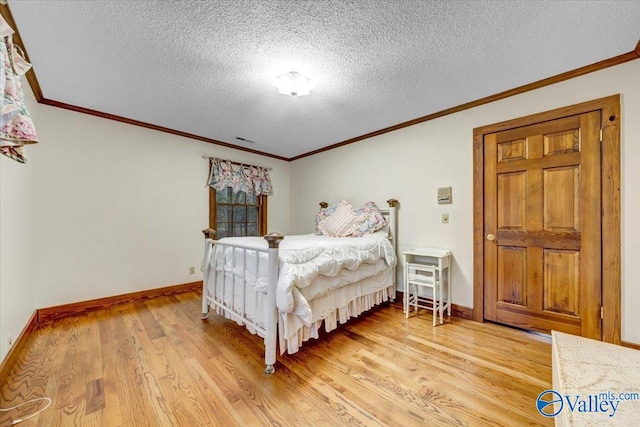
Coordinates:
542 203
561 281
512 275
567 141
511 203
512 150
561 188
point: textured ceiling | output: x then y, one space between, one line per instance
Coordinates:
207 68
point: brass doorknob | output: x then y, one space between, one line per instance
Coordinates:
491 237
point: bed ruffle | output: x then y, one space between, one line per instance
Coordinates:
352 301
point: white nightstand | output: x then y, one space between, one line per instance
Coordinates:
427 267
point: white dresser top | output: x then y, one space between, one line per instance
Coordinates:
584 367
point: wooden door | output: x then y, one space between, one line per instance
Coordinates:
542 226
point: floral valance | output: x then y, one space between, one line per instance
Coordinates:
240 177
16 127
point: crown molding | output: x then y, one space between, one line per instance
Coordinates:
139 123
616 60
37 91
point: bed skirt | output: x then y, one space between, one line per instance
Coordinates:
335 308
332 309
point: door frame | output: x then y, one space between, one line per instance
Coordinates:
610 189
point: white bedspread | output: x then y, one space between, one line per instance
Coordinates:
310 266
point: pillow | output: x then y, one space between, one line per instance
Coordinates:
342 222
370 220
323 215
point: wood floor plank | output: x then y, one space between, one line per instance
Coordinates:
181 388
215 396
156 363
302 403
451 373
94 396
106 325
457 370
371 400
399 390
136 386
150 324
352 411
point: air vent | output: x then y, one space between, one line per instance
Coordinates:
239 138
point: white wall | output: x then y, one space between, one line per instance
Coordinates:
17 290
119 208
411 163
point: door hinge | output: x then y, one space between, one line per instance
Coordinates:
600 135
601 312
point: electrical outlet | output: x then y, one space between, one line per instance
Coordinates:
445 218
192 270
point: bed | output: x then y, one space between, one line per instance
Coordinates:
284 288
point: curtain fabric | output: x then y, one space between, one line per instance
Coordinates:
16 126
247 178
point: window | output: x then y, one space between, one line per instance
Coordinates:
238 198
235 214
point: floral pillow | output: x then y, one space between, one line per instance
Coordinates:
370 220
342 222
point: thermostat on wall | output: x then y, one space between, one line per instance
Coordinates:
444 195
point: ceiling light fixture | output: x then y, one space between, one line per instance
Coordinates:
293 83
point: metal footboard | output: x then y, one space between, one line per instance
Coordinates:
229 293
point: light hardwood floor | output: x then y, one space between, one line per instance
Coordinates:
155 363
